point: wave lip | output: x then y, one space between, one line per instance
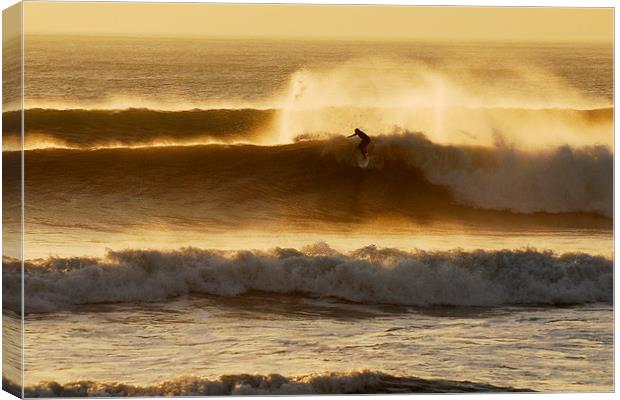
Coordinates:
357 382
369 275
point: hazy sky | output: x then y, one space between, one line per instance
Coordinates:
319 21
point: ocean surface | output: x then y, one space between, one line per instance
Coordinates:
196 221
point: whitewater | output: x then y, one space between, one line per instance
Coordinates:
369 276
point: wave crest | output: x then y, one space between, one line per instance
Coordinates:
367 275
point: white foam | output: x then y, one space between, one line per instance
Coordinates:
367 275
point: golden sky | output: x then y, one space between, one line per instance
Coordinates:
322 22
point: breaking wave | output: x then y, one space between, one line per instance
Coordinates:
357 382
562 179
368 275
408 176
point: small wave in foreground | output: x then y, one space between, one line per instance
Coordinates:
362 382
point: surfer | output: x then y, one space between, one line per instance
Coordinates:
364 143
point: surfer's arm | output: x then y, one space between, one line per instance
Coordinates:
355 134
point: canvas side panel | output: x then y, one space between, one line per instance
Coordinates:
12 199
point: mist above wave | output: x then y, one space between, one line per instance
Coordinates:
461 102
465 101
368 275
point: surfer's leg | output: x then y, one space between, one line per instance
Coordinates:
362 146
362 149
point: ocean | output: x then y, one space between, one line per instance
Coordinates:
196 221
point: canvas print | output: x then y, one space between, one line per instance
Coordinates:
266 199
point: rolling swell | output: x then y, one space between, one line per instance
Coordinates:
368 275
93 128
79 128
357 382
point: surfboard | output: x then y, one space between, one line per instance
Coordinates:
363 162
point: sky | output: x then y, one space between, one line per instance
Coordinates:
321 22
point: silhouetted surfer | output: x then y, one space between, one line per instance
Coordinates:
364 143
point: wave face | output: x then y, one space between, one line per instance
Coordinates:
368 275
359 382
316 181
